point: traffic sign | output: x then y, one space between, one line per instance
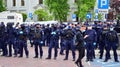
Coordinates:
106 16
30 15
96 10
73 17
96 15
88 16
103 4
103 11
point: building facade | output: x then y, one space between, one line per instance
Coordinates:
29 6
22 5
73 8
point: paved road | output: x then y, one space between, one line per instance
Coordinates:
99 62
31 62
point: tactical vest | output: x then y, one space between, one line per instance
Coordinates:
37 34
112 36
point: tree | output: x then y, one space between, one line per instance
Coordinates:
115 9
84 6
58 8
24 16
2 7
115 4
43 15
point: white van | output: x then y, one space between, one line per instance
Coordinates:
7 17
41 22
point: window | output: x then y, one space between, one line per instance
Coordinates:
5 3
22 3
14 2
10 17
75 1
40 1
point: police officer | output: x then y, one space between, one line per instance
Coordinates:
47 33
31 33
69 39
16 40
102 40
3 45
11 37
90 37
54 38
98 31
62 39
38 40
111 42
23 41
43 32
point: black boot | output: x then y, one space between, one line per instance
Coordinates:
48 58
105 60
77 64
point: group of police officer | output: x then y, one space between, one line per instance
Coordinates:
13 38
98 35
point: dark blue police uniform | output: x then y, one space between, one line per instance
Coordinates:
69 42
54 38
23 41
38 42
111 42
90 41
11 38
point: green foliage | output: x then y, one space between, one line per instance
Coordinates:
58 8
119 17
93 14
84 6
43 15
24 16
99 16
2 7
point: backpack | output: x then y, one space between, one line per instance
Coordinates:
37 34
112 36
102 36
69 33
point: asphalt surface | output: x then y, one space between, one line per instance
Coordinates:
59 62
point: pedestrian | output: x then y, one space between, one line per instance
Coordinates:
38 40
16 40
54 38
70 39
23 41
11 38
62 40
80 48
3 39
31 34
111 42
90 37
47 32
102 40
